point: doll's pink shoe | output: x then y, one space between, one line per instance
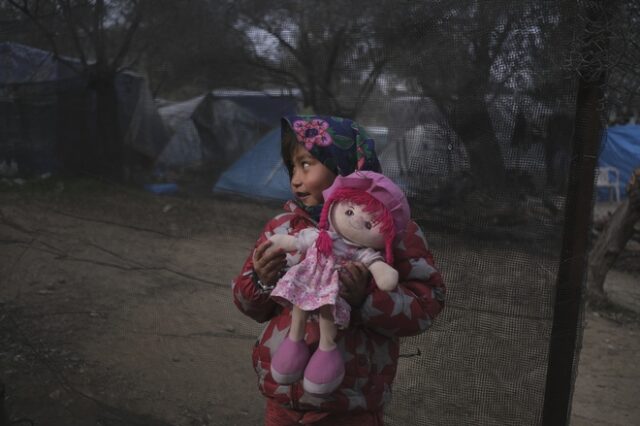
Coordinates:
324 372
287 364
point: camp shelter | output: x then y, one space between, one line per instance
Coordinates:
621 150
211 132
48 113
261 173
419 130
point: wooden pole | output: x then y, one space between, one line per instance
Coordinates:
566 333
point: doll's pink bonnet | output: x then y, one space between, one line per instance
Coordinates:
381 188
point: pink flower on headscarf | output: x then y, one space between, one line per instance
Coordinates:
313 132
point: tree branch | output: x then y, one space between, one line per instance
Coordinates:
72 28
33 17
369 84
126 43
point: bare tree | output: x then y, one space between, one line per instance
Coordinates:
100 34
332 54
192 47
623 61
462 54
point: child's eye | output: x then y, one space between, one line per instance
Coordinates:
368 225
349 212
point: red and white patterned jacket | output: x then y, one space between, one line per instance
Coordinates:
370 345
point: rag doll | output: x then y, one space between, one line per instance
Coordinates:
363 215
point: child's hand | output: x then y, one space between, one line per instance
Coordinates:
268 263
355 278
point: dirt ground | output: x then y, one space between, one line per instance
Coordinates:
115 310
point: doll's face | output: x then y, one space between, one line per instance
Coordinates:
353 223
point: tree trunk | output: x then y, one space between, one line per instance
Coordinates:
4 417
472 123
612 240
111 163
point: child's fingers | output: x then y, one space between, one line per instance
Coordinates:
273 255
275 265
346 278
259 252
354 277
270 272
357 270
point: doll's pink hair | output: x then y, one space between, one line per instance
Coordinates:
370 205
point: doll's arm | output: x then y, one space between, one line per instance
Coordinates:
250 299
408 309
300 242
285 242
385 276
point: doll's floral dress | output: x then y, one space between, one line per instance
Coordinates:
315 282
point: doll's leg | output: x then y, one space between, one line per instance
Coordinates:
290 359
328 329
325 369
298 323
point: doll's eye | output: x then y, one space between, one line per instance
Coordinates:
368 225
349 212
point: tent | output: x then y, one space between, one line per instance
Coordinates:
47 112
420 131
211 132
620 149
20 64
260 172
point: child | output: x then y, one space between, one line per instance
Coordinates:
315 150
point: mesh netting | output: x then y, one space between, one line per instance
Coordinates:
473 105
485 161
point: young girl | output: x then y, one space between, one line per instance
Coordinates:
315 150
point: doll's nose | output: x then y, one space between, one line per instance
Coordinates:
357 222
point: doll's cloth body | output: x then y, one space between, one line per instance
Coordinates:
315 281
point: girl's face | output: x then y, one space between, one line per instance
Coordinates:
310 177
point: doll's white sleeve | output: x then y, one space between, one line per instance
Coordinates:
306 238
368 256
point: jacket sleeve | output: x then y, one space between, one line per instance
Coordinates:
408 309
249 298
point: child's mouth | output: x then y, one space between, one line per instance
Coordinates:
302 195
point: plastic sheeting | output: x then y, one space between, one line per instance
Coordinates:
210 133
620 149
259 173
48 118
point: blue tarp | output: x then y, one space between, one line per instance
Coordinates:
259 173
620 149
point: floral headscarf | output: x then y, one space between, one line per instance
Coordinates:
340 144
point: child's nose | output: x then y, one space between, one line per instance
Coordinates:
295 179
